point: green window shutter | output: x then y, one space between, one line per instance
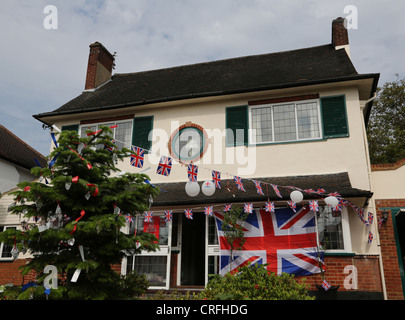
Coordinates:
140 132
237 120
72 127
334 117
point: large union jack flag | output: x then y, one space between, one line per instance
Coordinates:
284 239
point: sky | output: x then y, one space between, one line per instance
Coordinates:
43 61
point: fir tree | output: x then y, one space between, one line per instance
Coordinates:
81 201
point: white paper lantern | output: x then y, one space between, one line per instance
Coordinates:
296 196
208 188
192 188
331 201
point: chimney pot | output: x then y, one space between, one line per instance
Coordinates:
99 67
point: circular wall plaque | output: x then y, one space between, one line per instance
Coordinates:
188 143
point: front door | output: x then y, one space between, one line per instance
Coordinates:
193 247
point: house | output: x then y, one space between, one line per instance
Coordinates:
293 119
389 194
16 160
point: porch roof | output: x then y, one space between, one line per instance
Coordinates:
173 194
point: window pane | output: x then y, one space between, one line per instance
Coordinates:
84 128
284 122
153 267
6 252
308 121
262 122
212 231
163 229
330 228
163 232
123 134
213 265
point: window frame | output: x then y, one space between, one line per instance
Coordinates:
252 131
346 237
2 244
164 250
113 122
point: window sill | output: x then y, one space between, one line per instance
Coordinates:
286 142
339 254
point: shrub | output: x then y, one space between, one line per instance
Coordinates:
134 284
255 282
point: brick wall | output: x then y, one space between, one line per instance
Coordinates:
368 273
10 273
389 250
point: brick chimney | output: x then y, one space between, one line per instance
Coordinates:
340 37
99 67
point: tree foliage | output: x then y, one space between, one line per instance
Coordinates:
386 127
81 201
232 226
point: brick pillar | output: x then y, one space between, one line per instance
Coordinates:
389 254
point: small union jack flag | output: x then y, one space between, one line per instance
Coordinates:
188 213
370 218
270 207
313 205
325 285
168 215
275 188
239 183
248 207
338 207
110 148
208 211
259 188
227 207
344 202
216 177
137 157
370 237
292 205
165 166
148 216
192 171
129 218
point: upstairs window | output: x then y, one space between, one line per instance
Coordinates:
291 121
122 133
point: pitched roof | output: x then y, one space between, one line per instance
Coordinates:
320 64
173 194
16 151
